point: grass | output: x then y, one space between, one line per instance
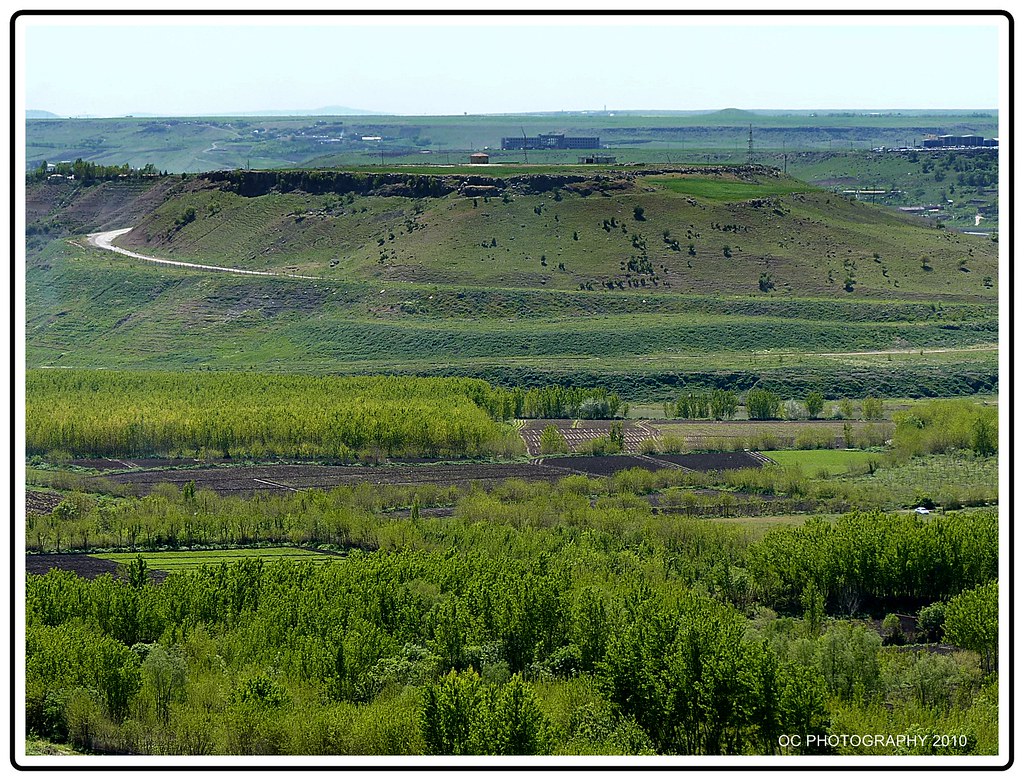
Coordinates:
715 189
949 480
38 747
758 525
409 286
181 561
832 462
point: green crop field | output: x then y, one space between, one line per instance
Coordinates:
833 462
726 191
181 561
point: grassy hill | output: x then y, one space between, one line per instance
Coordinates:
642 279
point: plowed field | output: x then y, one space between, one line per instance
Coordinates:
296 477
579 432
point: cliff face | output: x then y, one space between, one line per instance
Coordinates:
67 207
255 183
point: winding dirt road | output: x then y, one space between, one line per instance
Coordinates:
105 241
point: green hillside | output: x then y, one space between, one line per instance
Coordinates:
643 279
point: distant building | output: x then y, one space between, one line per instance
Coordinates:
551 141
952 142
479 158
597 160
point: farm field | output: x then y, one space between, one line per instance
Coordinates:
297 477
180 561
760 434
833 462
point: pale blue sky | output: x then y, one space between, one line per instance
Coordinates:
187 69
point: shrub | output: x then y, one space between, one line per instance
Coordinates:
763 405
552 440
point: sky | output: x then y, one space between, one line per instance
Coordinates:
453 66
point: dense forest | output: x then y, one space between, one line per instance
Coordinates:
234 414
537 619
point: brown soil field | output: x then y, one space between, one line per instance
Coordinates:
697 434
295 477
714 462
700 434
579 432
82 565
40 502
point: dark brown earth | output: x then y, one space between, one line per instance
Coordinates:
697 462
40 502
708 462
296 477
226 479
82 565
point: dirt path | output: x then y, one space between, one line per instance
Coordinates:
105 241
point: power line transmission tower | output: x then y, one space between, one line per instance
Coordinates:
750 144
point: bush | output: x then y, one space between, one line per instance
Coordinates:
552 440
795 410
946 425
929 622
763 405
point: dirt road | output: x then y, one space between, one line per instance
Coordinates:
105 241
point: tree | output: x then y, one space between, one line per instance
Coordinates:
872 408
520 726
930 621
815 403
984 439
552 440
163 675
724 404
617 437
972 622
763 405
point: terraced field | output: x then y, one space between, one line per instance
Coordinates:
179 561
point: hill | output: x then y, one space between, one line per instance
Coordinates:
644 279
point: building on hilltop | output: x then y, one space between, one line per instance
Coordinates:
951 141
551 141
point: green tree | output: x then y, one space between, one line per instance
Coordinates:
815 403
972 622
450 719
724 404
519 725
984 438
552 440
871 409
930 621
163 677
617 436
763 405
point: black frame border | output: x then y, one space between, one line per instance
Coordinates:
15 182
